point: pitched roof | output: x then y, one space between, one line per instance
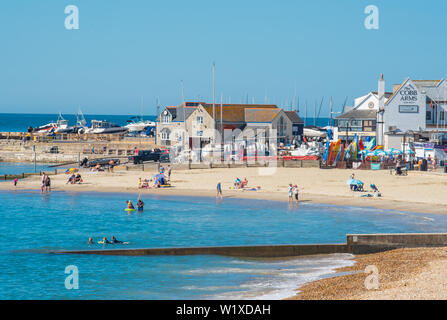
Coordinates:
422 85
358 114
294 117
261 114
234 112
177 111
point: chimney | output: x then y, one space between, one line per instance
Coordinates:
379 122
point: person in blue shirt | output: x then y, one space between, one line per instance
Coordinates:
219 190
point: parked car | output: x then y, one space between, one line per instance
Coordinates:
164 158
146 155
102 162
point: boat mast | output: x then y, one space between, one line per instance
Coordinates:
158 110
305 118
142 102
214 107
330 113
183 99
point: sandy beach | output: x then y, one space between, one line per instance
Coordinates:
418 192
403 274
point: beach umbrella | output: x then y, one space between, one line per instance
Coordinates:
394 151
379 152
354 181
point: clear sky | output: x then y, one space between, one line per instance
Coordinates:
125 50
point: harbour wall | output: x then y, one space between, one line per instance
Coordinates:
398 239
355 244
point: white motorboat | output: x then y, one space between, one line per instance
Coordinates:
136 126
105 127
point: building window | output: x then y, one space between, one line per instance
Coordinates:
350 125
295 130
441 115
165 118
165 135
369 125
199 119
199 133
428 115
281 127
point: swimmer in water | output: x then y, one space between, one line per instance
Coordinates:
105 241
90 240
130 205
115 240
140 205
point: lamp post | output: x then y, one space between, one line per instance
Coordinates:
348 122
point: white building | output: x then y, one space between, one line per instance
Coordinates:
361 118
416 108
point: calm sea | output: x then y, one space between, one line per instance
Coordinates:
19 122
34 223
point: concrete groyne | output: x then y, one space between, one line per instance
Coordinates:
355 244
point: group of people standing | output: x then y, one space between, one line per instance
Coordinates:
293 193
140 205
46 183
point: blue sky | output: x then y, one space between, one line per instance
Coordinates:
125 50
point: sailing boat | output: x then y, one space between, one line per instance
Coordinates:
81 123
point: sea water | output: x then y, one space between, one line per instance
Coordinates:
34 224
23 167
19 122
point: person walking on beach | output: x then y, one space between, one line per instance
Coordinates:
15 182
290 190
219 190
43 182
48 184
111 165
295 193
169 172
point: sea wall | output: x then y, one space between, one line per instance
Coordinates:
397 239
355 243
274 251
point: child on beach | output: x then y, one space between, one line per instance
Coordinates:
15 182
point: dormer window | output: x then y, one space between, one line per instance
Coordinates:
165 117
